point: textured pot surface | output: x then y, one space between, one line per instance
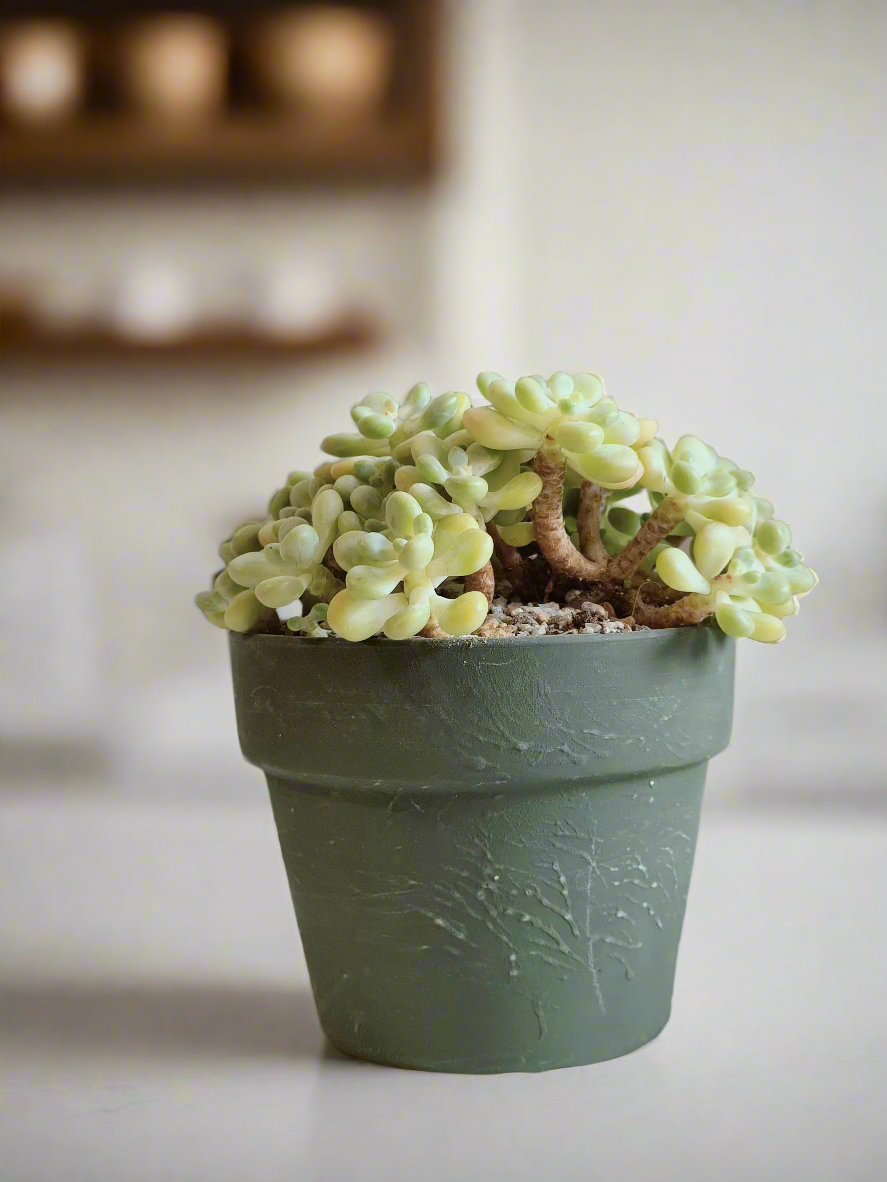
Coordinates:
488 843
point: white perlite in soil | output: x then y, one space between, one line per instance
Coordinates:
578 615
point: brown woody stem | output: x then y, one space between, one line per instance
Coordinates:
689 610
658 525
432 629
548 522
592 500
482 580
509 557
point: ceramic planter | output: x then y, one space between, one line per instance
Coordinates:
488 843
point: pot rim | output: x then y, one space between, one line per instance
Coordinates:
473 640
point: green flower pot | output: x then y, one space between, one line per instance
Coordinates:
488 843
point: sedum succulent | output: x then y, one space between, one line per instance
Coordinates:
567 417
432 503
417 554
383 424
272 564
474 478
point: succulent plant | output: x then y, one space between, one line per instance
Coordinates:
474 478
383 424
566 416
418 554
431 500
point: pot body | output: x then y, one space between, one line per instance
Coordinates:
488 843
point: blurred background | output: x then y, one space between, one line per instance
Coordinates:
222 226
222 222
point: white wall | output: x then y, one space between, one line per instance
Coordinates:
700 190
703 190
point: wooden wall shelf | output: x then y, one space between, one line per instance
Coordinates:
31 346
240 147
249 140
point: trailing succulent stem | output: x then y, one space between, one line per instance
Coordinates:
483 580
691 609
592 501
432 630
658 526
548 524
508 557
433 505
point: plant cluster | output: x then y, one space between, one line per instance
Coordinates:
433 505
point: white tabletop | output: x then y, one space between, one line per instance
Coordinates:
160 1026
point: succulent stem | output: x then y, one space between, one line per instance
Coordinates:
509 557
548 521
658 525
689 610
482 580
592 500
